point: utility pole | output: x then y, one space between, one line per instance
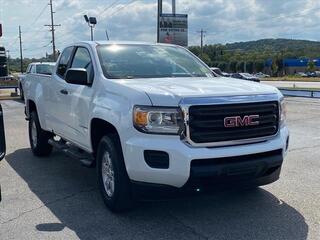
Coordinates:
202 32
173 6
21 59
52 29
158 20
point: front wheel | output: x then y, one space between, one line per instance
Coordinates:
38 137
113 180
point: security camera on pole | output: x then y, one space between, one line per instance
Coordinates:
92 21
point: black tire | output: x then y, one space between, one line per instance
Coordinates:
40 147
21 92
121 199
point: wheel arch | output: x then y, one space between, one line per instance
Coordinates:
100 128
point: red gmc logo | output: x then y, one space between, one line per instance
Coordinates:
238 121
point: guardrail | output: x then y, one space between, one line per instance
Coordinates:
300 93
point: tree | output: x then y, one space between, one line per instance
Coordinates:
259 66
205 57
233 66
311 66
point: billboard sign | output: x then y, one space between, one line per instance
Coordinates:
174 29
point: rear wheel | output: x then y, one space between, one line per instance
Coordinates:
113 180
38 137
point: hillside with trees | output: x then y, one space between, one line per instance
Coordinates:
237 57
251 56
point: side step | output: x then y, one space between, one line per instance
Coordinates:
72 151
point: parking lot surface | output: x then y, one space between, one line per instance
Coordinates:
57 198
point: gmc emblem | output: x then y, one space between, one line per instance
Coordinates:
238 121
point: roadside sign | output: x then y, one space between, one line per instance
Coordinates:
174 29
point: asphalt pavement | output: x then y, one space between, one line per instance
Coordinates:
57 198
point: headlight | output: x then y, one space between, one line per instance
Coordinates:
157 120
283 112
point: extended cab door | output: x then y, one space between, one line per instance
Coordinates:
58 102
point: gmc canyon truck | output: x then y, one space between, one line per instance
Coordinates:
153 116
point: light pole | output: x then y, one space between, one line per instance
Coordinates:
92 21
8 64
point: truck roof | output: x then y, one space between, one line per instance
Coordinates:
96 43
47 63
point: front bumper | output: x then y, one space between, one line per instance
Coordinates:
182 157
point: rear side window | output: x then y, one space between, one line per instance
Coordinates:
45 69
33 69
29 68
64 61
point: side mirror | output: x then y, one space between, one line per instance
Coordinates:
77 76
2 136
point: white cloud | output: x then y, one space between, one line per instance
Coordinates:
224 20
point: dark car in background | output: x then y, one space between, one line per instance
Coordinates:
245 76
218 72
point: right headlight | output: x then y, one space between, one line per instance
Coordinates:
283 113
157 120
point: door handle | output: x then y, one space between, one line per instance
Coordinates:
64 91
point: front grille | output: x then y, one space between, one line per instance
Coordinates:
206 122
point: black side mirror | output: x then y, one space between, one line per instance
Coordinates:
77 76
2 136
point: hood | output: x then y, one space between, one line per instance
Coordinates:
170 91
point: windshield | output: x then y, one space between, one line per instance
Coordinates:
149 61
45 69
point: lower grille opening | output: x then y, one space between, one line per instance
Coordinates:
156 159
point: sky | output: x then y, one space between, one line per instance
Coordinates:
225 21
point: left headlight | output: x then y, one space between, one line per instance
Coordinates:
283 112
157 120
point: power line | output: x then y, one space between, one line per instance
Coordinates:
40 14
123 7
108 7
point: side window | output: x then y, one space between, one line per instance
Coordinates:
63 62
33 69
82 59
29 68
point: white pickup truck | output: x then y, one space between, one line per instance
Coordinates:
33 70
153 116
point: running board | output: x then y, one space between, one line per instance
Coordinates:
72 151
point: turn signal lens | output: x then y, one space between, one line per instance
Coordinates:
141 118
